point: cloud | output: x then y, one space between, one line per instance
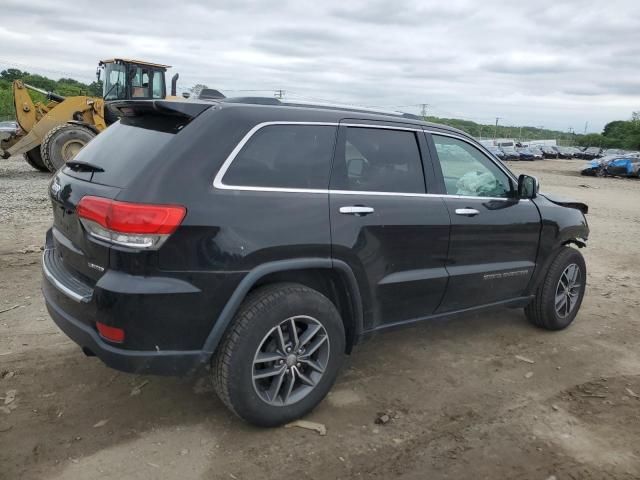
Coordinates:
537 62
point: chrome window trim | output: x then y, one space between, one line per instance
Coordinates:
383 127
219 184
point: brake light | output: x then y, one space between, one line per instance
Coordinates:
113 334
129 224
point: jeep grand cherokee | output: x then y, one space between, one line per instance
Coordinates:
263 240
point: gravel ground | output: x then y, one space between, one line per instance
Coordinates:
461 402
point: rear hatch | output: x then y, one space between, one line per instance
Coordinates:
104 168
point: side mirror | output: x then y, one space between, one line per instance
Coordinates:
98 74
528 186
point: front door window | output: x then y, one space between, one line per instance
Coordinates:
468 172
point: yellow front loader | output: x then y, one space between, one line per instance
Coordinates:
51 133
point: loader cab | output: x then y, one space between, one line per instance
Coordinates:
132 80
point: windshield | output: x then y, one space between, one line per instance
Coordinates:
114 82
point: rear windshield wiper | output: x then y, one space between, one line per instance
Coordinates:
79 166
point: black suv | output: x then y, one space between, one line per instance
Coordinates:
263 240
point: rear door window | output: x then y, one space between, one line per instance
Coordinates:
379 160
285 156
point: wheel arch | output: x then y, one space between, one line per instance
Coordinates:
541 271
332 278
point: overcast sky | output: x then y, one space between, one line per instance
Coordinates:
543 62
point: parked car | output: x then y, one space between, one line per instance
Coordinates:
613 151
8 129
265 239
565 152
574 151
509 152
549 152
10 125
537 152
614 165
526 154
496 151
590 153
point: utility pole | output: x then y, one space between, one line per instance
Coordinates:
520 135
279 94
495 131
586 125
424 110
572 133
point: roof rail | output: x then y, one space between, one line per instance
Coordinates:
341 106
309 103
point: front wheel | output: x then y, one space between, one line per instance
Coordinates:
559 296
281 354
62 143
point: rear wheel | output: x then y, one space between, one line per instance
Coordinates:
62 143
34 159
559 296
281 354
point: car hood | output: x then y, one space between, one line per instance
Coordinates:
566 202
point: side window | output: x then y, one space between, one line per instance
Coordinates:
467 171
140 83
379 160
285 156
157 82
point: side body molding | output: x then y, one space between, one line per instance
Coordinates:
231 307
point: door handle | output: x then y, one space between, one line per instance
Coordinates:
356 210
468 212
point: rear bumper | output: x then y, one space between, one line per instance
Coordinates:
132 361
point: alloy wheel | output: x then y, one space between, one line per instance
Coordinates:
290 360
568 290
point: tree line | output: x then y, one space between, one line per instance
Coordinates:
624 134
617 134
63 86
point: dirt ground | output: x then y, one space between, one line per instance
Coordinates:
462 404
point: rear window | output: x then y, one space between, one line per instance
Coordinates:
285 156
126 148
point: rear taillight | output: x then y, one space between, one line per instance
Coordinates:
135 225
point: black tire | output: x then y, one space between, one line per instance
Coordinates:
62 143
542 310
34 159
261 312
